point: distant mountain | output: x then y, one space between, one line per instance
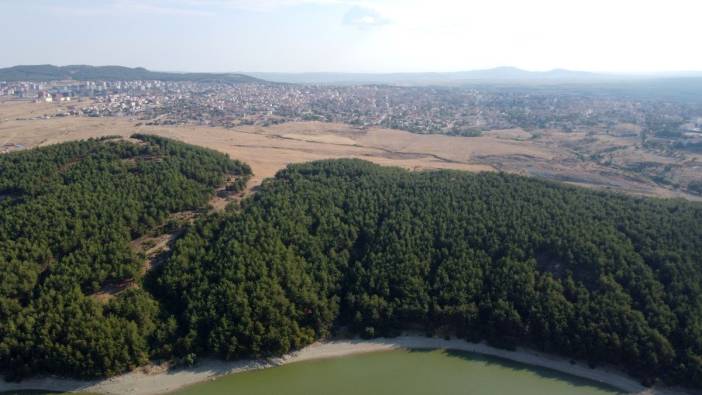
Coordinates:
506 74
515 74
85 73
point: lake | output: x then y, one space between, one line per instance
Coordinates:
406 372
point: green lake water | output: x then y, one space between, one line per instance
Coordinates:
401 372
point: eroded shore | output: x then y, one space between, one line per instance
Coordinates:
155 380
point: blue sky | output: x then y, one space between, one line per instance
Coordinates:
354 35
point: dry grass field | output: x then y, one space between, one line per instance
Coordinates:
554 155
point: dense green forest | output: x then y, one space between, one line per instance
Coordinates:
511 260
67 215
335 247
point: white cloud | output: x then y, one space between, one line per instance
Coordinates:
259 5
364 18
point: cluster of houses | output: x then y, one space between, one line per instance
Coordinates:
46 97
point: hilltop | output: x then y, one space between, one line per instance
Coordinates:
497 74
49 72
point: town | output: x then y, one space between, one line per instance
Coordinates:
653 139
460 110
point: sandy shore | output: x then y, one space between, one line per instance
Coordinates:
155 381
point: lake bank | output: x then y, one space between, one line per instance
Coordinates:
402 371
158 380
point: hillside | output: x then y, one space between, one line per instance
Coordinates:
512 260
85 73
68 213
335 247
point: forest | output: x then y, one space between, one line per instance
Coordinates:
346 245
338 247
68 213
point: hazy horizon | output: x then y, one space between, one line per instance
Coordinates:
341 72
355 36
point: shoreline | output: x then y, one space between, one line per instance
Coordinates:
161 381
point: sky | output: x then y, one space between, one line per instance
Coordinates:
355 35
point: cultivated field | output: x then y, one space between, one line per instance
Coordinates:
551 154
